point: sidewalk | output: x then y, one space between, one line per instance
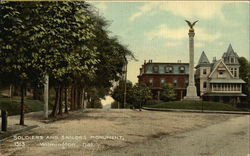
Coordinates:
32 120
196 111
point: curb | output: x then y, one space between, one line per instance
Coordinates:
8 134
195 111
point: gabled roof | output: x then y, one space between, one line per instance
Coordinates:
215 66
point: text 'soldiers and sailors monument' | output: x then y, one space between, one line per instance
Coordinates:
191 89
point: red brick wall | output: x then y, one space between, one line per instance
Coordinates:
169 78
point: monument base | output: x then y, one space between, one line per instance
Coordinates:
191 94
192 98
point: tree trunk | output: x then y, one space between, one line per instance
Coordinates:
46 96
10 91
72 100
82 99
55 106
4 116
60 101
66 100
78 97
22 105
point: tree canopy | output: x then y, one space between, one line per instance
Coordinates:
167 93
65 40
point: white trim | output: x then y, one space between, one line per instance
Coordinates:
215 68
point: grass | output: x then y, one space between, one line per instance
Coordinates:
13 105
195 105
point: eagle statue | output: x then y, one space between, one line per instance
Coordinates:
191 25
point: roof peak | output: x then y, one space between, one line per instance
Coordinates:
230 48
203 59
230 52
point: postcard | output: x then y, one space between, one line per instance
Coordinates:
124 78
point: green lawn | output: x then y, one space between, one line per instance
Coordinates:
195 105
13 105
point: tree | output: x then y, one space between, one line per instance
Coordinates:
167 93
65 40
118 92
139 95
16 49
244 74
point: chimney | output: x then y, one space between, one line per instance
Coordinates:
145 61
214 59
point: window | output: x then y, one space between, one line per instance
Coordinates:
204 84
186 83
204 71
235 72
232 70
155 69
168 69
162 82
150 82
232 60
182 69
221 72
215 86
175 83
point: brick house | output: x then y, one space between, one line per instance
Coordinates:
156 74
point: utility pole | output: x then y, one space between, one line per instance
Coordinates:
125 83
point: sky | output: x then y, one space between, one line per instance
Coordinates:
157 30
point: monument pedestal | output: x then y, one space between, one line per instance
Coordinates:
191 94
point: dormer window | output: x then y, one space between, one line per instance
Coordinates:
168 69
182 69
232 60
155 69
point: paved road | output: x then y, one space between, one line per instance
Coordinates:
229 138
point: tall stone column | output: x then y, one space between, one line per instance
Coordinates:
191 89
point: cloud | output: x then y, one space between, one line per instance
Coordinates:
198 45
148 7
185 9
173 43
163 31
101 6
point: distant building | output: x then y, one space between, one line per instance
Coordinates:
156 74
219 80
